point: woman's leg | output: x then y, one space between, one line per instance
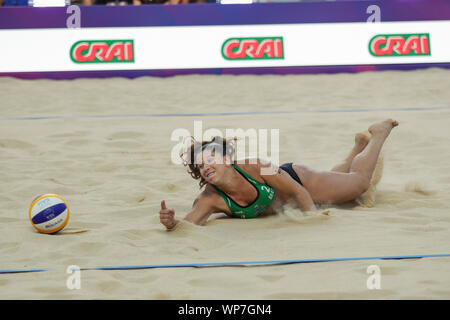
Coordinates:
361 141
338 187
367 199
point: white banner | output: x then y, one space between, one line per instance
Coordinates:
147 48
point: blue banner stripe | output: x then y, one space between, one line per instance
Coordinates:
49 213
61 75
216 14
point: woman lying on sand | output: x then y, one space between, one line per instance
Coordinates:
249 190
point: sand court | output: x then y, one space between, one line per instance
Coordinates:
100 150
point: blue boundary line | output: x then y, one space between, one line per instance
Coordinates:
240 263
206 114
22 270
261 263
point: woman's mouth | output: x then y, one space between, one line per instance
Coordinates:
210 174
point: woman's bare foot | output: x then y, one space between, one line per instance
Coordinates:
383 128
361 141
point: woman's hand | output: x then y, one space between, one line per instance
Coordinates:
167 216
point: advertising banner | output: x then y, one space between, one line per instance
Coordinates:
283 38
210 47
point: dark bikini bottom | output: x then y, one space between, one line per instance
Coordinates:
288 168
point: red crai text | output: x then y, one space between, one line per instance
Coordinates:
400 45
253 48
103 51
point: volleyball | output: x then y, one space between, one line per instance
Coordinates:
49 213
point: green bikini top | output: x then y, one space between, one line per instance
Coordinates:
266 195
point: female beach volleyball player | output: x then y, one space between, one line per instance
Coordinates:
249 190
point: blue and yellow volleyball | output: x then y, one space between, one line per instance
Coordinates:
49 213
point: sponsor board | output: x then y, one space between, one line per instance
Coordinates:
210 47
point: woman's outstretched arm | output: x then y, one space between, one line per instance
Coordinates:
203 207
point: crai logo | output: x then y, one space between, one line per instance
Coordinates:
253 48
395 45
102 51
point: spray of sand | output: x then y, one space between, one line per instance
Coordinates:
419 187
295 215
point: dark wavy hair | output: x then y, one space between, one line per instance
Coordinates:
216 144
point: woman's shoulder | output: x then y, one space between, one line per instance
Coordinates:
248 164
256 167
209 191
